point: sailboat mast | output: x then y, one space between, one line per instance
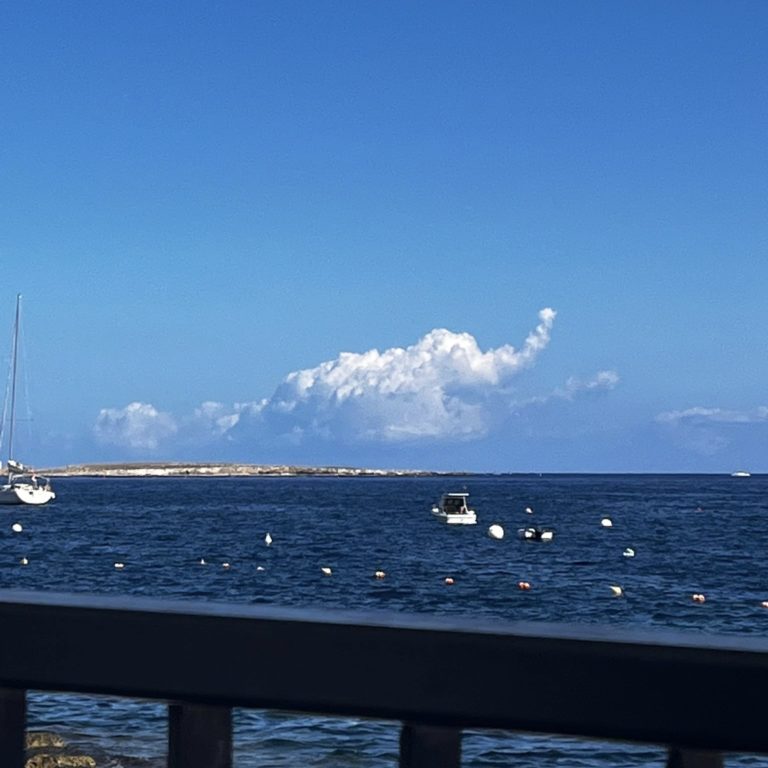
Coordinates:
14 359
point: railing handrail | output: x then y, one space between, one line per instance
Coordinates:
659 687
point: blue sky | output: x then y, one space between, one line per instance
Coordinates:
202 200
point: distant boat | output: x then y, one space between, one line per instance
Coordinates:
740 473
454 509
23 485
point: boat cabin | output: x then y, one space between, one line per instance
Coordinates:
453 508
454 503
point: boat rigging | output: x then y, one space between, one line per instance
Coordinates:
23 486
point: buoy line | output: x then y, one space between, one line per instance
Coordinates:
495 531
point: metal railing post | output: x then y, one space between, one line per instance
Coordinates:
13 717
199 736
423 746
693 758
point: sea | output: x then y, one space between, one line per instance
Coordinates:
690 534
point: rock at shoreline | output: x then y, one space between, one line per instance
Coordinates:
49 750
60 761
39 739
54 755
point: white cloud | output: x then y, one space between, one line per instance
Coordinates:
602 380
444 387
440 387
215 418
574 385
138 426
700 415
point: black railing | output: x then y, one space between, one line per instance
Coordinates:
436 676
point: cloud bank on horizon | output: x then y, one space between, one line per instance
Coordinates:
708 431
442 388
701 415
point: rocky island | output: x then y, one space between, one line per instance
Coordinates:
206 469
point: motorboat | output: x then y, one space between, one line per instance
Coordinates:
534 533
740 473
23 486
454 509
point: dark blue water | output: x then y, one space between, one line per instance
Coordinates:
690 534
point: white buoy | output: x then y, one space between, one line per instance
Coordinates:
202 561
225 565
259 568
119 566
448 580
268 539
617 590
327 571
628 552
606 522
379 574
24 561
547 535
496 531
528 511
17 528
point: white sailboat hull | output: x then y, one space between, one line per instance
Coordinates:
25 493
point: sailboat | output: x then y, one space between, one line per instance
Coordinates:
22 486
